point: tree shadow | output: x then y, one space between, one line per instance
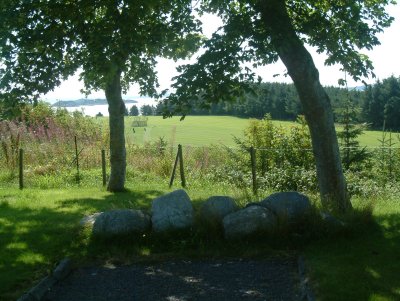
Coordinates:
33 240
125 199
364 266
183 280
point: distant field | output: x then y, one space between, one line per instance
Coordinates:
209 130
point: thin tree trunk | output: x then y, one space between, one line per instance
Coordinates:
315 101
116 109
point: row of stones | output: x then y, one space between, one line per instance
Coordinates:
174 211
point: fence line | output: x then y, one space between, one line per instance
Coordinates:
160 161
264 148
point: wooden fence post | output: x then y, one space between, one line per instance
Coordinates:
21 168
77 161
174 169
183 180
253 168
103 166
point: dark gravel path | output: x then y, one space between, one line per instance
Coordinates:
183 280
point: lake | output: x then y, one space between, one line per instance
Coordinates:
103 109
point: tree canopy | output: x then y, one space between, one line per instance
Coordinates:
44 41
257 32
111 43
340 29
134 111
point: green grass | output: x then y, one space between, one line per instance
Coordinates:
40 227
208 130
371 138
193 130
364 266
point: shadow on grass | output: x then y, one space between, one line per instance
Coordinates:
126 199
362 266
33 239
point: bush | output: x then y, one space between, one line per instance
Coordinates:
284 160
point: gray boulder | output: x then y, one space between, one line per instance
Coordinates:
290 207
173 211
89 220
216 208
121 222
249 221
331 221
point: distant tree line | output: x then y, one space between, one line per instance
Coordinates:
377 105
279 100
381 104
373 104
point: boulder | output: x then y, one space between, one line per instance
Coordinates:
173 211
252 204
249 221
331 222
121 222
216 208
89 220
290 207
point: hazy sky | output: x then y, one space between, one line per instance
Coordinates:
385 58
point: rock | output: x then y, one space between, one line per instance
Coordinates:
252 204
173 211
42 288
290 207
249 221
121 222
331 221
63 269
216 208
89 220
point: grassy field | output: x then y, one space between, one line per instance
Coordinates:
40 227
207 130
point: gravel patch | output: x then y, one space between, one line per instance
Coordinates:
183 281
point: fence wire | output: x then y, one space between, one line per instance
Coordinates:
55 165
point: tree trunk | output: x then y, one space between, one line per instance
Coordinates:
116 109
315 101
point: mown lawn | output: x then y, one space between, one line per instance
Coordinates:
207 130
40 227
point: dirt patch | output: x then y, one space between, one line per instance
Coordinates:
276 279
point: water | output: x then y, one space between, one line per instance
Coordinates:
103 109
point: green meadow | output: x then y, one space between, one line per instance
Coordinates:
208 130
39 227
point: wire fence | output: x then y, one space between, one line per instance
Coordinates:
89 163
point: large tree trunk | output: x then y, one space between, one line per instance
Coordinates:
116 109
315 101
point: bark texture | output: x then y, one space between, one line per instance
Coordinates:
116 109
315 101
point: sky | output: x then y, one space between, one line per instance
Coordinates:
385 58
